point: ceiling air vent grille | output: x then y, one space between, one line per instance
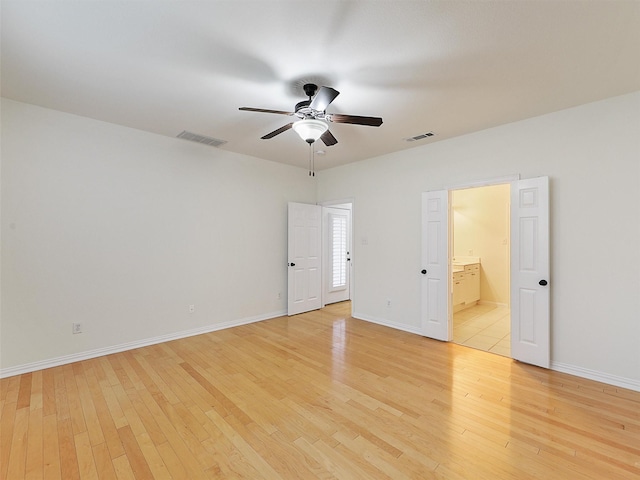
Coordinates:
194 137
420 137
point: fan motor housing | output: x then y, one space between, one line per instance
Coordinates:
303 104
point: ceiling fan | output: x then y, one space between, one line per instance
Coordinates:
313 123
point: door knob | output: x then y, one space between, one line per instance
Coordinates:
292 264
542 282
424 272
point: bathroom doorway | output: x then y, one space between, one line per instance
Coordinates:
480 266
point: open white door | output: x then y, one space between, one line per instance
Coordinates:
435 265
530 332
304 247
337 241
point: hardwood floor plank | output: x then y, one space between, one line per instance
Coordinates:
123 469
103 413
84 452
223 405
136 458
155 385
73 397
316 470
8 387
35 444
51 451
18 448
265 470
186 396
132 419
123 380
221 463
104 464
24 393
285 461
171 461
316 396
37 394
7 421
148 420
90 415
369 456
175 437
68 457
332 460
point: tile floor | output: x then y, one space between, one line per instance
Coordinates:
483 327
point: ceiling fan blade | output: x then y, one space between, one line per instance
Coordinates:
355 119
328 138
277 132
323 98
263 110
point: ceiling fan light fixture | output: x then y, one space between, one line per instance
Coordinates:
310 129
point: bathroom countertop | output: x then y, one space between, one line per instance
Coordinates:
458 263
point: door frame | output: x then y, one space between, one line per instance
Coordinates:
333 203
508 179
330 295
529 266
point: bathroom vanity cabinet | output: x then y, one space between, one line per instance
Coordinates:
465 282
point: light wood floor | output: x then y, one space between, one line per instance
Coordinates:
318 395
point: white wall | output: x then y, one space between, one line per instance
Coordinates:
121 230
591 154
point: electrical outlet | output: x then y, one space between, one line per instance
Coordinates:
279 295
76 328
388 303
192 308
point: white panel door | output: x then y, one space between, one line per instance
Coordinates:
337 260
435 265
530 333
304 251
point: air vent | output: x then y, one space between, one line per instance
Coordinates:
194 137
420 137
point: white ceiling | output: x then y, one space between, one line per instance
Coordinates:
450 67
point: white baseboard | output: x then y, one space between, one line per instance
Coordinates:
387 323
77 357
609 379
495 304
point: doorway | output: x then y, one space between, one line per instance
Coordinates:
336 239
480 264
529 274
319 255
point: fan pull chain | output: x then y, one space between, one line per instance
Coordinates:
312 161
